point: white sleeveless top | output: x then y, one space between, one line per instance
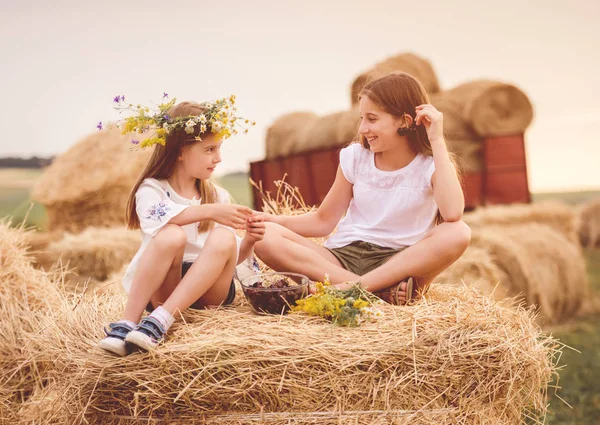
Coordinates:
392 209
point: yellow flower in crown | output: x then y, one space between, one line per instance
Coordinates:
219 117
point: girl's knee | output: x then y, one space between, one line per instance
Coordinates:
461 235
171 237
272 231
221 238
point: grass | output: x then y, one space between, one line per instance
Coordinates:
580 377
15 199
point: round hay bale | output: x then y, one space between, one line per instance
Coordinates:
286 134
347 126
483 364
493 108
455 124
302 132
541 265
477 269
410 63
321 133
96 252
561 217
589 224
89 184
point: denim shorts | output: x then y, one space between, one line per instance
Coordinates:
361 257
197 305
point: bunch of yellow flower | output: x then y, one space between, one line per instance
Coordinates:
219 118
349 307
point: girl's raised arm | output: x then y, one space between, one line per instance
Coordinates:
323 221
447 190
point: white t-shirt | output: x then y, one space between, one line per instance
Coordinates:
392 209
156 203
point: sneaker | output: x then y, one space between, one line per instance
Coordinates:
147 335
115 338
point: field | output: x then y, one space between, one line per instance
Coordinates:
580 378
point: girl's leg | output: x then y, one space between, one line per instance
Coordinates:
210 276
424 260
158 271
283 250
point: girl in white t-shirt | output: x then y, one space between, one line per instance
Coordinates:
401 196
189 250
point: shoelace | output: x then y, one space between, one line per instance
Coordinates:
151 327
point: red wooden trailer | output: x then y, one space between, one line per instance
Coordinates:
502 179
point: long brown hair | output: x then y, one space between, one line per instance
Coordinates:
162 164
397 94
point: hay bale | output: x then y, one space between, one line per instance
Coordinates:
286 135
322 133
96 252
347 126
456 126
410 63
89 184
455 357
477 269
490 108
589 224
26 295
541 265
561 217
303 131
470 153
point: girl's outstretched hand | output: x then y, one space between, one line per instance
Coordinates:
230 215
432 119
255 228
265 216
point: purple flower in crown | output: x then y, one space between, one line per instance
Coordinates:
122 98
99 126
135 142
165 95
166 117
117 99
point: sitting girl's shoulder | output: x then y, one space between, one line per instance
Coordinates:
155 183
223 196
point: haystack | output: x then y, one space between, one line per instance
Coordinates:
96 252
302 132
477 269
489 108
410 63
455 357
89 184
589 224
541 265
561 217
286 135
26 296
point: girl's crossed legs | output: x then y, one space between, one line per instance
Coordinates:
283 250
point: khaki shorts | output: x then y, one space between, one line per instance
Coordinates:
361 257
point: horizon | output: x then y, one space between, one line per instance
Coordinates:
65 62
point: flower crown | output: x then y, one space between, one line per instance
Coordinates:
219 117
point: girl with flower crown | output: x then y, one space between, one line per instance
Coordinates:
396 201
189 250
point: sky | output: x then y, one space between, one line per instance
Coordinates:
64 61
